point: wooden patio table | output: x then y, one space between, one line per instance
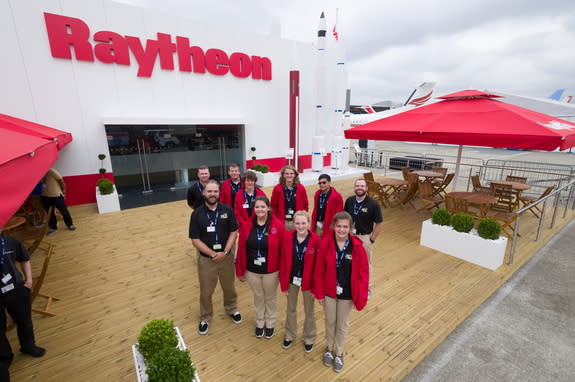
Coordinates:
391 186
428 175
14 222
481 200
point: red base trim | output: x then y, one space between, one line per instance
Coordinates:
81 189
276 164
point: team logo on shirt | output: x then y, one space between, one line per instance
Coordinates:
224 215
274 231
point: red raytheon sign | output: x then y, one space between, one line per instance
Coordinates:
68 33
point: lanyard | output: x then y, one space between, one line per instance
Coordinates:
289 193
214 222
357 207
322 199
260 236
249 198
300 248
2 253
235 187
200 188
340 253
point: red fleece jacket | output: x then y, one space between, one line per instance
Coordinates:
239 210
308 261
277 202
334 205
275 238
226 192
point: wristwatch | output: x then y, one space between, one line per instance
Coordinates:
226 253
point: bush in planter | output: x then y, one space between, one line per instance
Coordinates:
264 169
170 364
462 222
489 229
156 335
441 217
105 186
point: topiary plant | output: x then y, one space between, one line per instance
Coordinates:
105 186
462 222
489 229
156 335
102 170
170 364
441 217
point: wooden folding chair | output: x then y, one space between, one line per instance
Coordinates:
477 186
34 236
507 219
442 188
37 285
442 171
376 193
518 179
405 171
505 197
407 196
526 200
368 176
426 194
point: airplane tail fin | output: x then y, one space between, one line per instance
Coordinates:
568 99
368 109
421 94
556 95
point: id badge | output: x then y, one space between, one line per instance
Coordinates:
246 205
211 228
339 290
217 247
224 215
296 281
354 231
259 261
6 278
288 216
290 211
319 224
7 288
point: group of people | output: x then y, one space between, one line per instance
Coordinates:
325 255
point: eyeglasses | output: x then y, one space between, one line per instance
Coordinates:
323 182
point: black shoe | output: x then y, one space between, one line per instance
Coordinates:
269 332
72 227
236 317
259 332
286 344
34 351
203 328
308 348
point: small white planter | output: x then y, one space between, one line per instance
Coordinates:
267 179
140 362
465 246
107 203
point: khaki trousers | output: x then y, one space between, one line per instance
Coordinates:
318 231
264 287
367 245
309 328
209 272
336 323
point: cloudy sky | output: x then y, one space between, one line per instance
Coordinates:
518 46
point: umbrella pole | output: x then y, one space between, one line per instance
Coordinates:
458 161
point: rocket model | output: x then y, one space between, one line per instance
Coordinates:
318 140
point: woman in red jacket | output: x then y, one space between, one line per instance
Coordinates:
341 281
244 203
289 196
259 253
296 273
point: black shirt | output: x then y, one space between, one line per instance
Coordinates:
343 271
257 248
298 256
289 200
196 195
223 219
249 200
235 188
321 203
364 214
11 251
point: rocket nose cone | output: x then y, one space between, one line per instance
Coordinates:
322 16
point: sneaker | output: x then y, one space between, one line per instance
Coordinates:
327 358
259 332
236 317
308 348
203 328
338 364
286 344
51 231
269 332
34 351
72 228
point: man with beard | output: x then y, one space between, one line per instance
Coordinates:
367 219
196 191
213 230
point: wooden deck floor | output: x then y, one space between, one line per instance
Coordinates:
120 270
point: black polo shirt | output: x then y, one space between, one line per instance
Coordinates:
321 203
12 251
344 273
257 249
289 201
365 214
196 195
235 188
223 219
298 254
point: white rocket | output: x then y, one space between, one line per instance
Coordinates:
318 140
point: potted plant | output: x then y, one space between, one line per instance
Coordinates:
455 236
106 194
265 177
161 354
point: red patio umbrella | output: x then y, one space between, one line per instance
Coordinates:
472 118
27 151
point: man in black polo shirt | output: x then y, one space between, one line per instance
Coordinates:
15 299
196 191
213 230
367 219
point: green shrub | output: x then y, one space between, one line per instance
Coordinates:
261 168
156 335
489 229
462 222
441 217
105 186
101 156
102 171
170 364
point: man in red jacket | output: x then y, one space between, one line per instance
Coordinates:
232 185
328 202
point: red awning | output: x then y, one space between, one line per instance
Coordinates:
27 152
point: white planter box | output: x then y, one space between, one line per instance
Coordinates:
465 246
107 203
267 179
140 362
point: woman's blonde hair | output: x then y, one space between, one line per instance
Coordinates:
305 214
295 179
